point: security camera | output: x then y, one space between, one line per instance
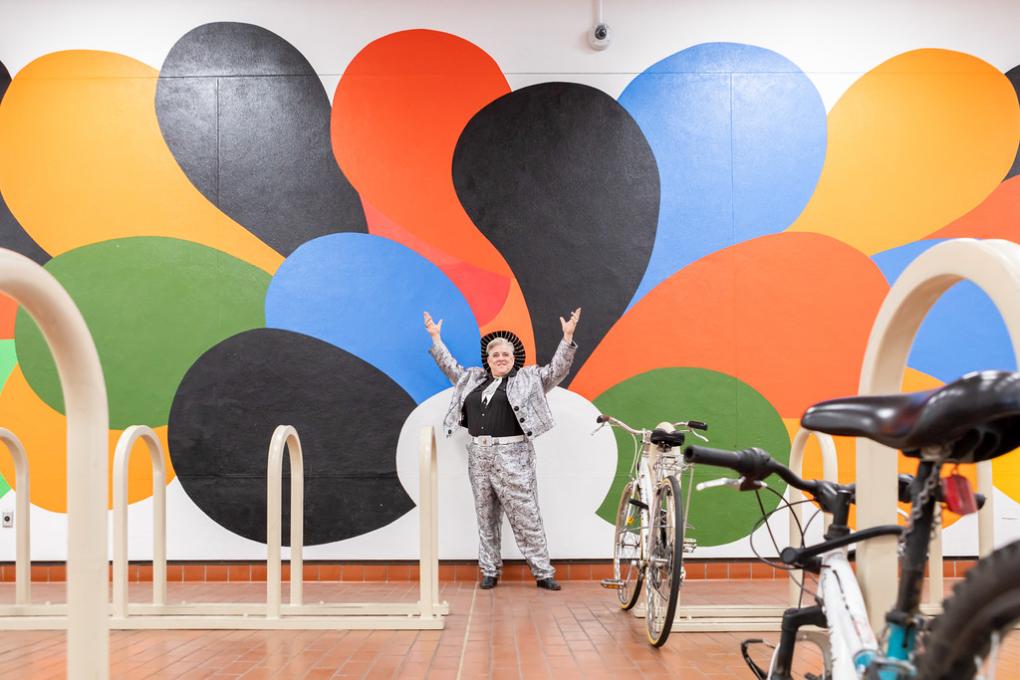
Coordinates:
598 37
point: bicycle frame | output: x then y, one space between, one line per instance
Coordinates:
642 472
649 467
852 642
854 648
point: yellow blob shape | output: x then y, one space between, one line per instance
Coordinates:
82 160
43 432
912 145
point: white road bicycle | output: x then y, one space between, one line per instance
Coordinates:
651 523
973 419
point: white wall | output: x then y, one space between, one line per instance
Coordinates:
533 41
539 40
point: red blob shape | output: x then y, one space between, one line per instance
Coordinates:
397 114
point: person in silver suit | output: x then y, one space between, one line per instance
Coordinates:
504 407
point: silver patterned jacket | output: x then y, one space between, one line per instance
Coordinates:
525 391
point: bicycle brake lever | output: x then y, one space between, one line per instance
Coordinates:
698 435
739 483
722 481
595 431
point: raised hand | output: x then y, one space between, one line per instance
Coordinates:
432 327
570 325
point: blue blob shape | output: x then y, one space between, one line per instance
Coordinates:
366 295
739 134
963 331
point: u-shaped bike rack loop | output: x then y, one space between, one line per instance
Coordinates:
994 266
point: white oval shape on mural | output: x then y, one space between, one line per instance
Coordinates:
574 471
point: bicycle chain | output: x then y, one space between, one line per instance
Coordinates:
922 499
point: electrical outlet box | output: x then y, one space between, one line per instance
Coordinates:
7 519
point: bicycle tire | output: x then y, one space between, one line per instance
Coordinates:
987 601
665 560
626 565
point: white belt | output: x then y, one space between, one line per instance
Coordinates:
486 440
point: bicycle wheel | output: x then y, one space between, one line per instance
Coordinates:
963 642
628 544
665 560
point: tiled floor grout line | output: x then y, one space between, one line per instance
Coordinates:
467 631
204 646
520 633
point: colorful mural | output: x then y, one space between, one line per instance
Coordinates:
247 254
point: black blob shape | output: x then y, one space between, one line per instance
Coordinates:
562 181
12 235
1014 78
347 414
247 119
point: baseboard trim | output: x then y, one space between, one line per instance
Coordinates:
407 570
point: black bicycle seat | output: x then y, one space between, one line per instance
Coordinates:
667 439
977 417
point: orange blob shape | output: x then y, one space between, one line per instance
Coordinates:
82 160
43 432
788 314
913 144
998 216
397 114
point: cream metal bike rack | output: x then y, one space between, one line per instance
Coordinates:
830 472
22 548
120 517
763 618
427 613
81 379
994 266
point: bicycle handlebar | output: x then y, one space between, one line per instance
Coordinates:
692 424
753 464
602 418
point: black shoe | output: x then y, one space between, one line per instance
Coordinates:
547 583
488 582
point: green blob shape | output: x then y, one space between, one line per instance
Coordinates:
153 306
8 359
737 417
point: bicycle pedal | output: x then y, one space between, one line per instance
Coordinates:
613 583
635 502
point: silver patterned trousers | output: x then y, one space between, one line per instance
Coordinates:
503 479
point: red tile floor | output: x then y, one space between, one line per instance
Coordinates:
514 631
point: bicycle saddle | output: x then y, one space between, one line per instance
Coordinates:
667 439
976 417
